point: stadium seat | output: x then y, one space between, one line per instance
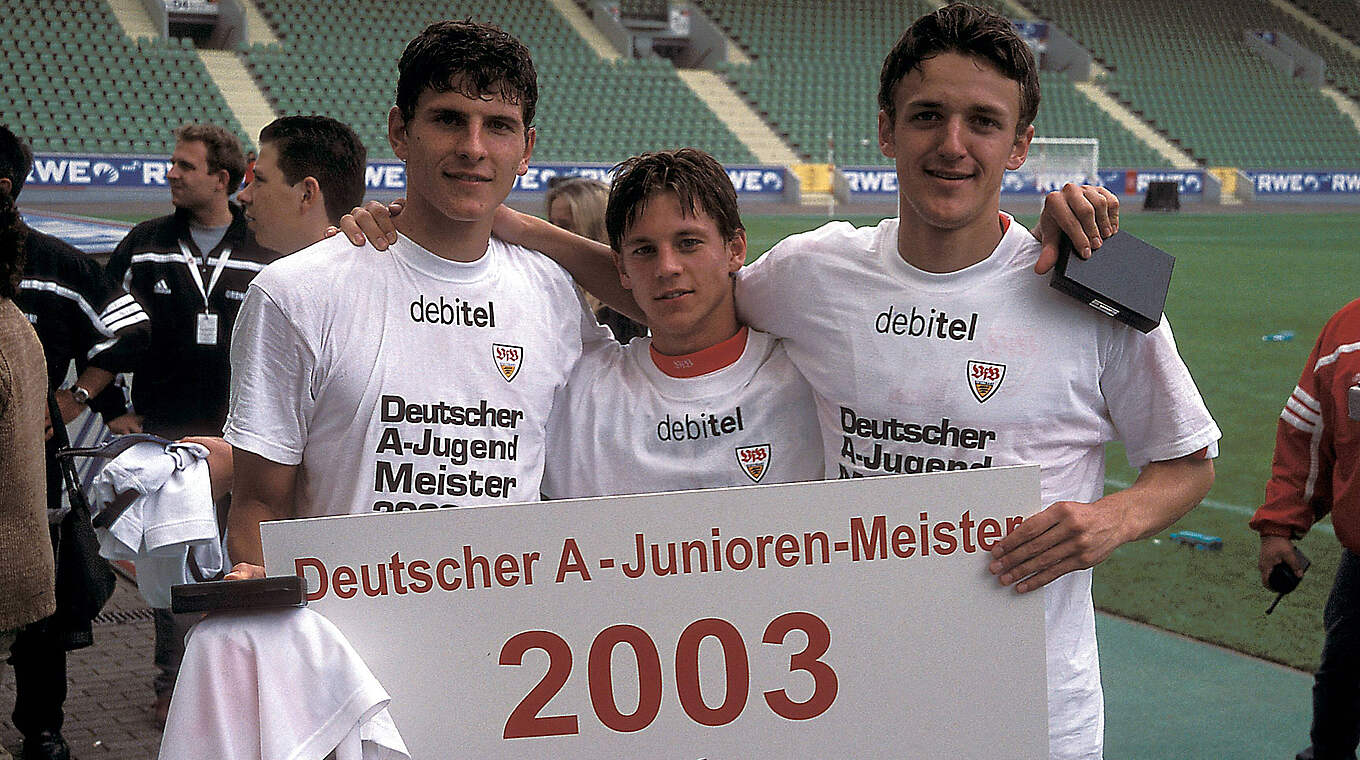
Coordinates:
643 103
74 55
1197 80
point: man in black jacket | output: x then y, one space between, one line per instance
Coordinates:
189 270
79 317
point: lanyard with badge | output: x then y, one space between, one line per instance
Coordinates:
206 326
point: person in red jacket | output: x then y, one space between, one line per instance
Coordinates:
1316 471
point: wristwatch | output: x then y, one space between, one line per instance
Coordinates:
81 395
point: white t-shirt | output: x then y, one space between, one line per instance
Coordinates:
277 684
402 380
624 426
988 366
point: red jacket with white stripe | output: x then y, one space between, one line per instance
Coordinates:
1317 446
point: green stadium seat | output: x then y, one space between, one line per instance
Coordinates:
1195 78
576 88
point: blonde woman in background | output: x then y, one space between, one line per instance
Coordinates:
577 204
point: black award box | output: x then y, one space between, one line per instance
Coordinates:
1126 278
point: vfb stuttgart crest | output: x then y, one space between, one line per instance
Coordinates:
508 359
984 378
754 460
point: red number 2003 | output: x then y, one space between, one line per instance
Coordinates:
525 721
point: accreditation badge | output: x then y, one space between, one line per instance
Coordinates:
206 331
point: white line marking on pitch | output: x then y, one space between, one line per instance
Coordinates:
1226 507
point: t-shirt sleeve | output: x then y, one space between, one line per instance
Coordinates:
764 290
776 291
557 458
1157 411
592 332
272 371
569 433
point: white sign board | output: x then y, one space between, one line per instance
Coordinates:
847 618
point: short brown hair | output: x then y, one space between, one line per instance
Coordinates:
325 149
968 30
224 150
696 178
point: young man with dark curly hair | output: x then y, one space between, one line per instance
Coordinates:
422 377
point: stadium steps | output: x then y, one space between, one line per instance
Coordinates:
243 96
1188 77
1140 129
1101 99
1340 15
736 52
257 28
585 29
589 109
134 19
1345 105
767 146
1320 28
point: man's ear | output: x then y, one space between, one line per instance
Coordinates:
224 177
886 145
7 186
311 194
1020 150
396 132
736 251
530 136
623 274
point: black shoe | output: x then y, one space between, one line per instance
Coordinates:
46 745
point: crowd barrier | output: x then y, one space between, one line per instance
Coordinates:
146 175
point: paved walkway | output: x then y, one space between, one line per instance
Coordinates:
108 706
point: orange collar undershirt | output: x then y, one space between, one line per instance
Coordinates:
1005 223
703 361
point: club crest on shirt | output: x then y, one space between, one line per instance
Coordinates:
984 378
754 460
508 359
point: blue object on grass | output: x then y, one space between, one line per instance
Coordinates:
1198 540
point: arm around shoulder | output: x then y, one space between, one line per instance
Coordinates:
590 263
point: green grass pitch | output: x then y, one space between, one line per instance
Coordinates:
1237 277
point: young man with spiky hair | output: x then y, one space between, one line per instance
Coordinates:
423 377
937 318
310 172
704 402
